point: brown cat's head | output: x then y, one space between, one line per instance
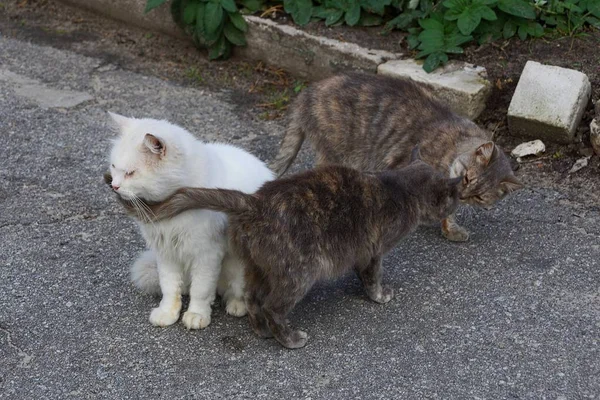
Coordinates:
438 195
487 176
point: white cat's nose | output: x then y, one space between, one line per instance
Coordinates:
115 187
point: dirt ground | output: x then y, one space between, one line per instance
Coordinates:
264 92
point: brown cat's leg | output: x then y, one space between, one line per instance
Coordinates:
256 290
278 305
370 275
452 231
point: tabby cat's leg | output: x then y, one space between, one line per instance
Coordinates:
256 290
370 275
279 303
452 231
170 276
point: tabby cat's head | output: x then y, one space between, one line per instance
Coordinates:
487 176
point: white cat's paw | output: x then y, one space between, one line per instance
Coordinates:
160 317
236 307
193 320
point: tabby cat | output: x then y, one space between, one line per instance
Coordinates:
372 122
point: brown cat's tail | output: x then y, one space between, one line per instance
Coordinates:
289 148
227 201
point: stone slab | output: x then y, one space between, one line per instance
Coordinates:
548 102
464 87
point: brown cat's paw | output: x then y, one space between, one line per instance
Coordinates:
386 294
456 234
295 340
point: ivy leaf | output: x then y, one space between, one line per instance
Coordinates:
222 48
152 4
333 16
519 8
509 30
353 14
369 20
234 35
434 60
213 22
238 20
252 5
200 28
300 10
189 13
229 5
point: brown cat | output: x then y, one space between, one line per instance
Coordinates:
372 122
318 225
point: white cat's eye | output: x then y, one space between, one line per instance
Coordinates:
130 173
112 165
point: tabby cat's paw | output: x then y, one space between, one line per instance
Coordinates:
193 320
456 234
160 317
236 307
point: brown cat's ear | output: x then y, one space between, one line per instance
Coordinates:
154 144
511 184
415 154
484 153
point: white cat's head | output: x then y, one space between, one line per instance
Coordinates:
148 158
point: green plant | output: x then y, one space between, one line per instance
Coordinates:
436 28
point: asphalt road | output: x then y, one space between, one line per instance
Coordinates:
512 314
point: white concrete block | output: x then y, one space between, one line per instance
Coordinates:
548 102
464 87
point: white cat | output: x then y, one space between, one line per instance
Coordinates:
151 159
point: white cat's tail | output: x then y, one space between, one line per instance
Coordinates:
144 273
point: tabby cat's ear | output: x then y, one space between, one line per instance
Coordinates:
415 154
511 184
155 145
120 121
484 153
454 181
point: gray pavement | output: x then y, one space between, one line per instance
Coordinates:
512 314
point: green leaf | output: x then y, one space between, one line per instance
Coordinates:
413 41
594 8
222 48
519 8
369 20
353 14
593 21
522 32
252 5
333 16
234 35
374 6
229 5
189 12
152 4
300 10
432 24
487 13
468 22
213 22
319 12
434 60
200 28
238 20
509 30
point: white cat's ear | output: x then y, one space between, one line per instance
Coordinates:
484 153
120 121
155 145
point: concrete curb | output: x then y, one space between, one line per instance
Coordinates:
462 86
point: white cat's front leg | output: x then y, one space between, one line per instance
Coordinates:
231 285
204 275
170 276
